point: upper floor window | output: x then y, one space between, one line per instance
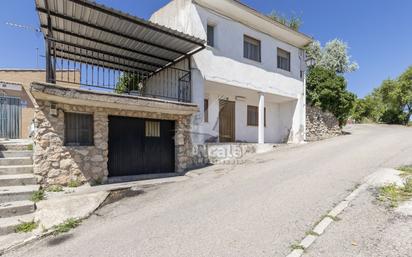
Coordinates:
210 35
252 49
78 129
283 60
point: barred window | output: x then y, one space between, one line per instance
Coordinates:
152 128
251 49
78 129
253 116
283 60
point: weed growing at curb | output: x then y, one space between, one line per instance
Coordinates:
30 147
37 196
312 233
333 218
26 227
54 188
66 226
394 194
74 183
297 246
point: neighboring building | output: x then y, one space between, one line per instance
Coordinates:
16 83
251 71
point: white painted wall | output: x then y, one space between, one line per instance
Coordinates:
225 64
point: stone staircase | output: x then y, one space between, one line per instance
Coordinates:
17 184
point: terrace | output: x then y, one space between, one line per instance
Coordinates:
100 49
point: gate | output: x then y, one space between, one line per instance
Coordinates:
10 117
140 146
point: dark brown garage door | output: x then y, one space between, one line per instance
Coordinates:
140 146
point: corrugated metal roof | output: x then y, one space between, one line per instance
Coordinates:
80 27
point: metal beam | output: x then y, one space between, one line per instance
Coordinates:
132 68
107 43
135 20
106 53
116 33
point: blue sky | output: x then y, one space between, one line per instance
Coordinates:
379 32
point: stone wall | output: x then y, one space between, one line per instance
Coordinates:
56 163
320 125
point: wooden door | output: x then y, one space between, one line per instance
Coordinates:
226 121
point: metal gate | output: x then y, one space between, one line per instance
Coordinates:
10 117
140 146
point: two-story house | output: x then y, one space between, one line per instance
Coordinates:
249 82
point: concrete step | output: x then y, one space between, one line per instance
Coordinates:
17 193
16 161
17 180
17 208
10 154
16 169
8 225
16 144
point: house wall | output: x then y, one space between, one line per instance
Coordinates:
225 64
56 163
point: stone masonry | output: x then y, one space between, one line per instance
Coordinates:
320 125
56 163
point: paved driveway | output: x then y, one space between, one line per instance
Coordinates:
255 209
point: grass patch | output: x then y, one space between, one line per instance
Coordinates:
394 194
30 147
54 188
37 196
74 183
66 226
26 227
406 170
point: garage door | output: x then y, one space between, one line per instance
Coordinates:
140 146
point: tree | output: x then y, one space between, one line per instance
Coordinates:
327 90
334 56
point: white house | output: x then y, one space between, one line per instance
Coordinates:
250 72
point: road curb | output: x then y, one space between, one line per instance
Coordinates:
320 228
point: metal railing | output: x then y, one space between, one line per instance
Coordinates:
92 70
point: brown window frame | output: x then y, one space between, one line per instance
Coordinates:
254 122
73 132
252 41
280 63
206 110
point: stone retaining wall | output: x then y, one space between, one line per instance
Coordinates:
56 163
320 125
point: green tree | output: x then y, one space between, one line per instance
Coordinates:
333 56
327 90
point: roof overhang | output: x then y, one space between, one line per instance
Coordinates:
252 18
85 31
60 94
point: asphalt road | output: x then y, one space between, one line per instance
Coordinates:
255 209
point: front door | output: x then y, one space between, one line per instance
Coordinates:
140 146
10 117
226 121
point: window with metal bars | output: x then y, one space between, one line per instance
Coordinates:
283 60
253 116
252 49
79 129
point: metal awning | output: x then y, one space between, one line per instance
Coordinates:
84 31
